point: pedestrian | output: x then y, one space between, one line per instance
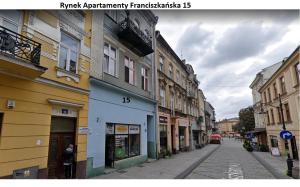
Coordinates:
68 159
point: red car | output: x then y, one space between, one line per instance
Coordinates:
215 139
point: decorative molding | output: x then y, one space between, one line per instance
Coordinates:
63 73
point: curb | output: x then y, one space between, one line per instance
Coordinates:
270 168
189 170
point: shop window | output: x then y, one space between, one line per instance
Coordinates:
126 138
274 141
68 54
110 59
144 79
129 70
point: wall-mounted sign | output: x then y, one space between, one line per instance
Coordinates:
134 129
121 129
163 119
64 111
275 151
83 130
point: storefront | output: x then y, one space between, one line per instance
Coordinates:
163 134
122 141
121 134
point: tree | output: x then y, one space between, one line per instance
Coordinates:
247 121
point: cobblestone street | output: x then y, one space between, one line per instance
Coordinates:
230 161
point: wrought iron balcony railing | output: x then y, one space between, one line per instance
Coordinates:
15 45
136 39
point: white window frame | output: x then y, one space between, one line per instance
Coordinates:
162 93
110 59
161 63
18 24
69 52
171 69
145 74
130 69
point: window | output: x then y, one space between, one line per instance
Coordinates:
274 141
172 102
265 97
279 115
126 140
177 76
287 112
162 97
144 79
269 94
129 71
275 90
171 71
10 19
297 72
268 118
112 14
110 59
68 54
282 84
272 116
161 64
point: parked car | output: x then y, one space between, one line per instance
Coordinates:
215 139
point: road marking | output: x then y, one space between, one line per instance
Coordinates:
235 171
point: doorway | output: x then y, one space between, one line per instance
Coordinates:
294 148
62 133
181 138
109 150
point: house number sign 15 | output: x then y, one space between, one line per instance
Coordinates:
126 99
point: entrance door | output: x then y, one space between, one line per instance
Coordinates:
62 134
173 139
181 138
294 148
109 150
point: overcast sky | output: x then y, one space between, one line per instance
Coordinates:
227 49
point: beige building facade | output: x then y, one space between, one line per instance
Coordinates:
226 126
177 110
285 81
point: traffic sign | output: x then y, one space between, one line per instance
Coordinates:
287 135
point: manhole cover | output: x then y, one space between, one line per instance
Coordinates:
122 171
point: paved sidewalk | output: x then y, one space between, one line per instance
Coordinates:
275 164
170 168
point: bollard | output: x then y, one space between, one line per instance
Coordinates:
290 165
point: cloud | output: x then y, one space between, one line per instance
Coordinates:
194 42
243 41
228 48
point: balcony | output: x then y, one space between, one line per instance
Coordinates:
19 55
134 38
191 94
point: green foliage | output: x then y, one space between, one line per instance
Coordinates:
248 146
246 116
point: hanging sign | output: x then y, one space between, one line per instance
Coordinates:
275 151
121 129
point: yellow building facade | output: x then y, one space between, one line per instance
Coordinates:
225 126
44 91
285 81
